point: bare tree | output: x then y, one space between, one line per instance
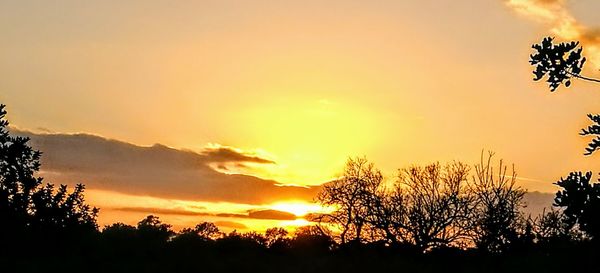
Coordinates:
433 205
351 196
499 201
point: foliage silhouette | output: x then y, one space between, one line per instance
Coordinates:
549 60
581 202
592 130
558 62
33 211
553 229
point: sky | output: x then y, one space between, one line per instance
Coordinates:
236 111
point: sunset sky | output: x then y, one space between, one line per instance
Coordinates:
235 111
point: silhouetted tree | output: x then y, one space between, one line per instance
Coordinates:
437 203
554 229
579 199
152 230
499 200
119 232
581 202
559 62
351 196
241 242
59 209
255 237
592 130
277 238
27 207
205 230
312 238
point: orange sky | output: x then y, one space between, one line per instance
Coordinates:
303 84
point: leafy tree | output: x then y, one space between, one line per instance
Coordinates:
151 229
581 202
558 62
255 237
27 206
206 231
579 198
592 130
119 232
553 229
277 238
313 239
60 209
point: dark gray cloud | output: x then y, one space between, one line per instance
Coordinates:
271 214
228 154
267 214
157 171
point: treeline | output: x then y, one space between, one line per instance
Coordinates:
431 218
446 206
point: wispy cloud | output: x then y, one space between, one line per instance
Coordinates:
560 22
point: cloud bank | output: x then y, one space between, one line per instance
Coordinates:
157 171
267 214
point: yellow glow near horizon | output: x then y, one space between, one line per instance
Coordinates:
112 203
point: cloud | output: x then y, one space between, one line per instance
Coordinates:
157 171
272 215
558 18
267 214
218 153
